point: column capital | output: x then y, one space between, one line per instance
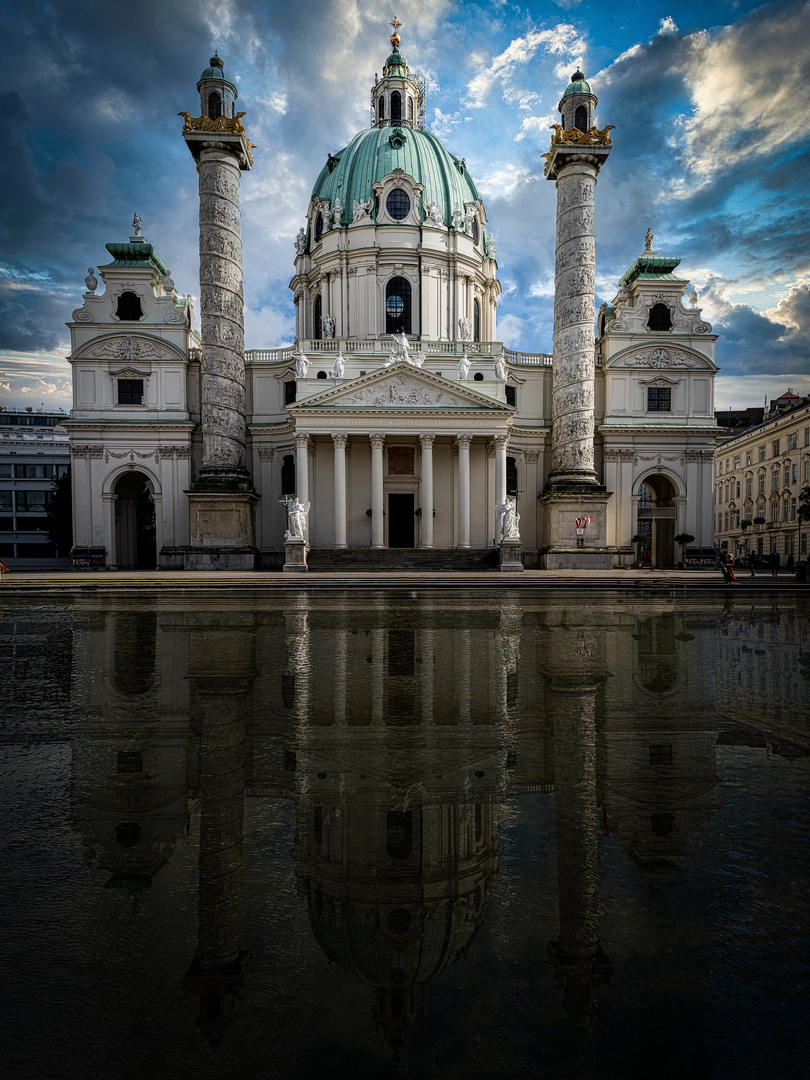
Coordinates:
463 439
302 440
376 438
340 440
501 440
427 440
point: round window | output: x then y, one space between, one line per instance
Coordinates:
398 204
395 305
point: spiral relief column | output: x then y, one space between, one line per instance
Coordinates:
222 500
578 151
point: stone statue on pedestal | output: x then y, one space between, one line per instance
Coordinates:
301 364
339 366
509 519
297 520
464 366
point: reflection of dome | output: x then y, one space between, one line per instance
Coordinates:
373 154
396 914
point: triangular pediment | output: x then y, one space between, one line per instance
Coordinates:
399 388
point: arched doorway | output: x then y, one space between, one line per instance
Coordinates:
657 513
135 534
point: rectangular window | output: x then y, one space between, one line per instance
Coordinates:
5 472
32 502
761 482
793 440
130 391
794 472
749 484
738 489
6 524
807 436
289 392
749 512
762 452
748 454
35 472
792 509
775 479
659 399
786 510
775 448
5 500
774 511
511 396
787 475
806 472
719 522
737 462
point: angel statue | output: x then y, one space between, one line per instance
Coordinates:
509 519
296 519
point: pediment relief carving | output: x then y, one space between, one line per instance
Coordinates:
642 356
660 380
148 348
400 388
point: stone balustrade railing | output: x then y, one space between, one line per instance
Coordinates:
382 346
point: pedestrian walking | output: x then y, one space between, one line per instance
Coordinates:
791 564
752 560
775 564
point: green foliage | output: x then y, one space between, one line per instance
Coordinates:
60 515
684 538
640 538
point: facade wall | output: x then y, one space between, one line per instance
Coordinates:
760 474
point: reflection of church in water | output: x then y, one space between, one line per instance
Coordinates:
398 729
397 415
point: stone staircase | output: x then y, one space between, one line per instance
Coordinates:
472 560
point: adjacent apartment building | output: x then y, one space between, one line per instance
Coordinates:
759 475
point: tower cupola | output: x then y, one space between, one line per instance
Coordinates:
398 98
217 94
578 104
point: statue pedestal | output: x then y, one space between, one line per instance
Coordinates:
558 534
223 532
510 557
295 561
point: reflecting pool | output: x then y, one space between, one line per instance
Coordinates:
438 833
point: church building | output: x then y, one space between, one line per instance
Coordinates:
397 422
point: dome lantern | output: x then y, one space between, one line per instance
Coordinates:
217 93
578 103
398 98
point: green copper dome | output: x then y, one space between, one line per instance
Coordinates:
578 85
351 173
216 70
396 60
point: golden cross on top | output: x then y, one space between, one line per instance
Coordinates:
395 23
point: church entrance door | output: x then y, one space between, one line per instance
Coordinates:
134 523
400 521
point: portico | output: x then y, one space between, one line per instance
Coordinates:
401 458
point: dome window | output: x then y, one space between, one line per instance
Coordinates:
321 375
398 204
410 108
316 317
475 233
660 317
129 307
581 118
476 321
478 376
214 106
398 306
381 109
396 107
318 227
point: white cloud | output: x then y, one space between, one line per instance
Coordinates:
501 70
503 180
511 330
543 287
5 386
668 26
534 125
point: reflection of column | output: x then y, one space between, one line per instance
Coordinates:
428 645
340 652
377 491
221 675
427 490
463 490
302 467
462 667
377 675
580 963
340 489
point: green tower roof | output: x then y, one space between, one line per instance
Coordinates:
651 268
216 70
375 153
578 85
136 255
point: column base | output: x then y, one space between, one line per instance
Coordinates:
560 548
222 528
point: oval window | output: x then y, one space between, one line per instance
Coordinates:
398 204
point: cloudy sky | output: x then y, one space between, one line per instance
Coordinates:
711 102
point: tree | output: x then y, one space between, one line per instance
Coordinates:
60 515
641 538
803 513
683 539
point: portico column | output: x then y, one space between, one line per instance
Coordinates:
302 467
463 490
500 470
427 490
110 539
377 492
340 489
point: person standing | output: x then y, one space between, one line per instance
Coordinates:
774 564
791 564
752 559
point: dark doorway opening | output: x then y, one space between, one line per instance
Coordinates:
400 521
